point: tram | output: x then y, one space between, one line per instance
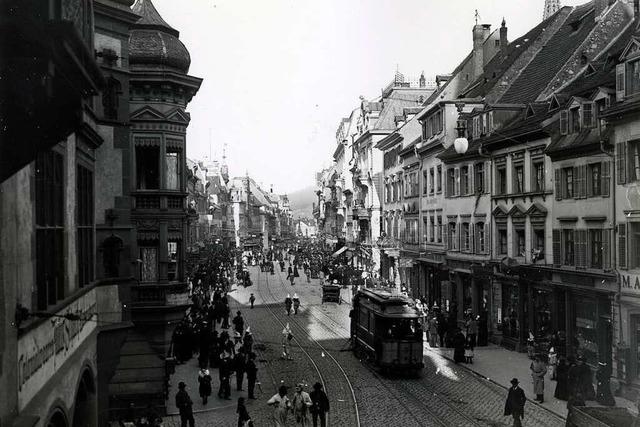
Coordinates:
386 330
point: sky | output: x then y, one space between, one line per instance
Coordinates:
280 74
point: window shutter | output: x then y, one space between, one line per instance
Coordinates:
585 171
459 228
622 246
589 182
487 237
587 115
558 184
621 162
470 187
620 82
456 182
606 253
471 238
445 235
605 173
577 182
486 170
564 122
557 252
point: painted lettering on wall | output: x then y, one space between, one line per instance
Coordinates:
629 282
43 350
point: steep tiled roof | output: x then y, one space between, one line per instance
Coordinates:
574 141
546 64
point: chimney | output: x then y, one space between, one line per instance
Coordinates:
480 34
503 36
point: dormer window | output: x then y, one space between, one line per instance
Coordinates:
628 72
433 125
579 116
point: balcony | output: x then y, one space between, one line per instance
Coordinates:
159 199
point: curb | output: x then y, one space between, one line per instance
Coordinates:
496 383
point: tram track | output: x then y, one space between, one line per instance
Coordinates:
318 345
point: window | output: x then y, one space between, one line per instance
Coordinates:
425 182
85 222
634 160
425 228
518 178
466 237
431 181
453 236
502 241
480 238
439 179
633 77
574 120
479 178
501 179
148 167
634 244
568 247
519 242
567 174
595 180
464 180
49 228
597 248
439 229
451 182
432 228
537 181
537 244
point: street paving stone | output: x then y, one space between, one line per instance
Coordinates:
445 394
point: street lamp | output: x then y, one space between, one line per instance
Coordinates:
461 143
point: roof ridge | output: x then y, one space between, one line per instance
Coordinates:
150 17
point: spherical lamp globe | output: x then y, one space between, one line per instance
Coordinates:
461 145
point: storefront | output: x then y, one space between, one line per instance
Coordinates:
570 310
410 273
433 272
626 363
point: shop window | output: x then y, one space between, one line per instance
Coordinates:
510 309
584 340
568 247
501 179
439 179
147 167
173 170
84 224
149 266
50 230
542 303
519 242
537 179
518 178
502 241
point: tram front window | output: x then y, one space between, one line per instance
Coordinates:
399 329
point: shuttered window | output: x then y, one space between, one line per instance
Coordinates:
557 247
620 82
588 118
558 184
457 182
564 122
621 162
606 251
622 246
606 178
581 248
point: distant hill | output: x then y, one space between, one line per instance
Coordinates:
301 202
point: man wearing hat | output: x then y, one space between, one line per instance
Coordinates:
319 405
184 404
515 403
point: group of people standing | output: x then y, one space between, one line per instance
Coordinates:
301 405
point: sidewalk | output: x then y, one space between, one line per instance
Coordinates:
500 365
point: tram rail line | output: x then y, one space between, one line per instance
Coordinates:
314 341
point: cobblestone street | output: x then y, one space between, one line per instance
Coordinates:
445 394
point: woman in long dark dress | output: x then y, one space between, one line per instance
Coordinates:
562 373
458 346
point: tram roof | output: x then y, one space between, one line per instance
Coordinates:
390 304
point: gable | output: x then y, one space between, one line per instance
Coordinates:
632 49
499 212
147 113
517 211
178 115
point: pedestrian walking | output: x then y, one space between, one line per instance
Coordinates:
472 330
204 381
585 380
288 302
468 350
238 323
287 336
252 299
301 403
433 332
603 395
281 407
224 373
442 328
239 365
243 414
185 406
320 405
538 371
296 303
562 373
252 375
247 342
553 364
514 405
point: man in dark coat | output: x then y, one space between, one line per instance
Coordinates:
320 405
604 396
252 375
184 405
239 367
458 346
514 405
238 323
224 372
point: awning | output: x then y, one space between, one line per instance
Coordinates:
339 251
